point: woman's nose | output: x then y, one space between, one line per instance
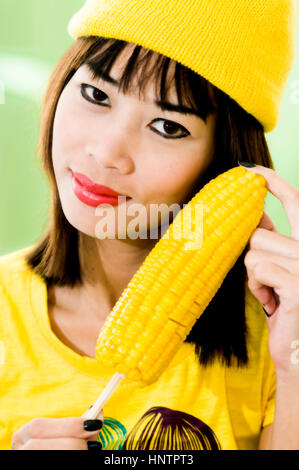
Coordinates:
114 149
111 155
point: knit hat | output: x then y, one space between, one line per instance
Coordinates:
244 47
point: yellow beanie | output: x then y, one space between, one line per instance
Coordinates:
244 47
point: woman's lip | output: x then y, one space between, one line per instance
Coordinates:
92 199
95 188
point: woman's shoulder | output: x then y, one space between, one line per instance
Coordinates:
14 270
256 322
260 364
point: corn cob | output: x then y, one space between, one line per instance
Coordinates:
177 281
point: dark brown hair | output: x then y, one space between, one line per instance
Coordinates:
221 330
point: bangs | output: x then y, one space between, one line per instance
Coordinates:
192 90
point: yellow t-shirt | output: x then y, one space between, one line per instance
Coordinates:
189 407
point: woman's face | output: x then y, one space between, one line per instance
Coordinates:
129 145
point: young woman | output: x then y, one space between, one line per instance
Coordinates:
133 106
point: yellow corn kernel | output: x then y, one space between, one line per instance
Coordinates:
176 282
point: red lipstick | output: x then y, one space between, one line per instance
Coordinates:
93 194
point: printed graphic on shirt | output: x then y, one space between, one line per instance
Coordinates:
160 428
112 434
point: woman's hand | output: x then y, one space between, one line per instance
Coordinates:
57 434
272 264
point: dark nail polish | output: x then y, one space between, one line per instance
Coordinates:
92 424
267 314
94 445
247 164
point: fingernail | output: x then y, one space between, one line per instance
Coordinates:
92 424
267 314
247 164
94 445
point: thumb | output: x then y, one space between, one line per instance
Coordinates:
267 223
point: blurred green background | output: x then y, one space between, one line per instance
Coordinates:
33 37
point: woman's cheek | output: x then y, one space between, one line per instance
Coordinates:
175 182
69 125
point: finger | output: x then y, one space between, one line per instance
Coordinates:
267 223
55 444
264 294
270 275
285 192
39 428
267 240
254 256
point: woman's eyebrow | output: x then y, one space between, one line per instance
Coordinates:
163 105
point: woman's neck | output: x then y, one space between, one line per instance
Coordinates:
107 266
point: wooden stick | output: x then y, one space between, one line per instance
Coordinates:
96 408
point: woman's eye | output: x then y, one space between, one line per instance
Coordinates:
167 130
92 94
170 128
